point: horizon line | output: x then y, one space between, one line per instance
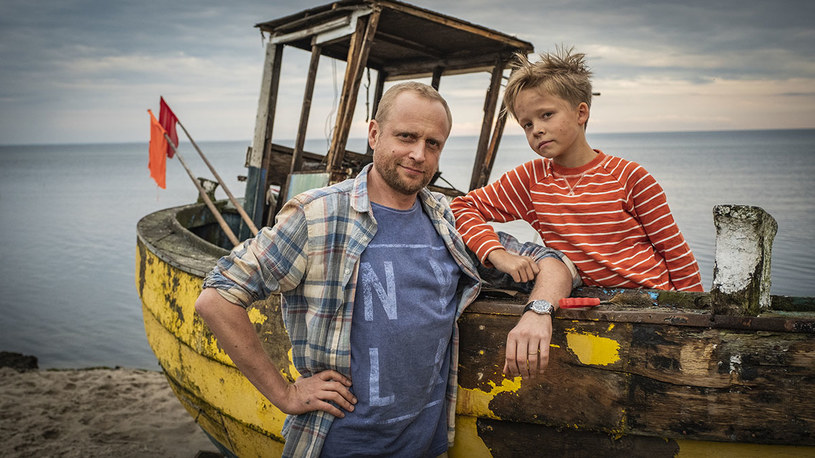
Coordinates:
185 140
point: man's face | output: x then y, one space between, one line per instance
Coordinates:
407 144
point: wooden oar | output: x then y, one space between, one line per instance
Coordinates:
232 199
204 196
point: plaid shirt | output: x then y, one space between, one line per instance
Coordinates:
311 256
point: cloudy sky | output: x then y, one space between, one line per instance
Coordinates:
76 71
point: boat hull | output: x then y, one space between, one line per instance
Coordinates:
619 382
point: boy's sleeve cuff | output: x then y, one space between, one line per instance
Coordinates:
486 250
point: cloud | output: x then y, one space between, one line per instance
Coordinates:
664 104
85 70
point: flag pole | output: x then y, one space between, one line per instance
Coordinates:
232 199
207 200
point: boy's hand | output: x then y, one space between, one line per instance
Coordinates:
521 268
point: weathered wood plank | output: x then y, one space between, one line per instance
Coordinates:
490 105
649 379
524 439
305 111
361 43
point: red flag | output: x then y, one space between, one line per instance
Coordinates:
158 152
168 120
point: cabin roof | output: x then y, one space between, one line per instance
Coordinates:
410 41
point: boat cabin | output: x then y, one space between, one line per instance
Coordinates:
393 40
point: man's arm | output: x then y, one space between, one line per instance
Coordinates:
231 326
527 351
554 275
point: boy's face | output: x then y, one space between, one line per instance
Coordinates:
553 127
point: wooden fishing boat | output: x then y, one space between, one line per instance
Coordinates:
655 373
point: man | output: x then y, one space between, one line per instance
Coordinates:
377 254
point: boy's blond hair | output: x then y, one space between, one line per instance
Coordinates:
562 73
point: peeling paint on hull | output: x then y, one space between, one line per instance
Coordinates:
615 388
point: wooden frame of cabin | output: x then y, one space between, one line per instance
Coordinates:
398 41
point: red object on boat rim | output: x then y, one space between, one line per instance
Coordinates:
578 302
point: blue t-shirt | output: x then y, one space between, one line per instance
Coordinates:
401 331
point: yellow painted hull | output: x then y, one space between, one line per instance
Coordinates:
236 416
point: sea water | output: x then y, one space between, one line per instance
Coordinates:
68 217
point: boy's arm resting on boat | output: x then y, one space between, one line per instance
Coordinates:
237 336
481 206
521 268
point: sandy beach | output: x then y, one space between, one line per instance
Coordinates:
95 412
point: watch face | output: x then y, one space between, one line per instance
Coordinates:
541 307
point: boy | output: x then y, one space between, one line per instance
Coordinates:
607 214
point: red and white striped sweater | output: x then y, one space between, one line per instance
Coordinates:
610 217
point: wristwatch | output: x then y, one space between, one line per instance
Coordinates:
541 307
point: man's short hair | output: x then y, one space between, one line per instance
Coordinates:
562 73
387 100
